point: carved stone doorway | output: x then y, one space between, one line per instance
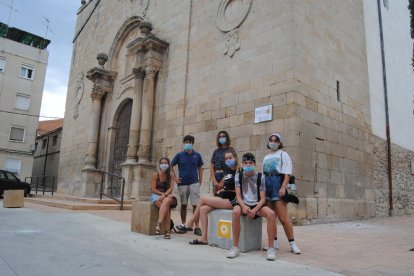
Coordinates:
120 145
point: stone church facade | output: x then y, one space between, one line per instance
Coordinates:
144 73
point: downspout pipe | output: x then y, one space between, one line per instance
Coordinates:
387 118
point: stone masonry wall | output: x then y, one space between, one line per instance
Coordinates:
402 179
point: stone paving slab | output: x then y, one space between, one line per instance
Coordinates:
79 243
377 246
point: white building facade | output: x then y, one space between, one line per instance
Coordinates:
23 63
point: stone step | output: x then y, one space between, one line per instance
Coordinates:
94 200
76 205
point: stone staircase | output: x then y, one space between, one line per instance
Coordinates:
71 202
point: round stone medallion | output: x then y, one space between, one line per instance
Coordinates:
231 13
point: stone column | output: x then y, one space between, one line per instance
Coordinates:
96 95
134 129
147 114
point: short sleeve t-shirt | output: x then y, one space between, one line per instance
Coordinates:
278 162
188 164
218 159
249 188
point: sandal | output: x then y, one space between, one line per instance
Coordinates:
167 235
158 229
197 242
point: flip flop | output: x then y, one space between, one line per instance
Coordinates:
197 242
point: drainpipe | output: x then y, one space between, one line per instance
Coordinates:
387 119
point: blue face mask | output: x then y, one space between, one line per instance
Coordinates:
230 163
248 169
188 146
222 140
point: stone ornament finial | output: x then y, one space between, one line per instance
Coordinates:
83 2
230 15
145 27
102 59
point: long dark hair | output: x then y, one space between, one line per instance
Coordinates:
227 144
167 172
234 153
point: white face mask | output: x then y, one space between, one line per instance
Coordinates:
164 167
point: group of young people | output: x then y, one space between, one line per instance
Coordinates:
236 186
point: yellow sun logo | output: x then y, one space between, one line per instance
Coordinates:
224 229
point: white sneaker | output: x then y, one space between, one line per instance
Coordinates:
233 253
276 244
271 254
295 249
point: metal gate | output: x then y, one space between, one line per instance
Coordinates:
120 147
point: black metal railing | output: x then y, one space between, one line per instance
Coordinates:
46 183
114 189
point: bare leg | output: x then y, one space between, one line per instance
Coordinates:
196 221
214 202
272 205
205 209
282 213
167 221
164 209
183 212
270 217
236 225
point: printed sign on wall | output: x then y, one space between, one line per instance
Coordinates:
263 113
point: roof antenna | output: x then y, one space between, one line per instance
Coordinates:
12 9
47 23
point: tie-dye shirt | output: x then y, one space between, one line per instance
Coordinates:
272 163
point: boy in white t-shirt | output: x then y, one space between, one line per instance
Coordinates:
251 202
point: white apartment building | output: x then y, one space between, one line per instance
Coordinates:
23 62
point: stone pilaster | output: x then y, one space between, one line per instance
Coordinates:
147 114
136 117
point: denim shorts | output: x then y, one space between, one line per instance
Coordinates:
273 184
154 198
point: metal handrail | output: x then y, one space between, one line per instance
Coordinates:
44 177
101 193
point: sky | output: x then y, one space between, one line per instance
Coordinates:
28 16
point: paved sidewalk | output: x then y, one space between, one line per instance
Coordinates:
368 247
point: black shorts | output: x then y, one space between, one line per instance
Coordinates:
231 196
251 207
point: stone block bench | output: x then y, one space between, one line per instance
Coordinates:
144 218
13 199
220 231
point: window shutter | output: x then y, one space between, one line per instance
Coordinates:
22 102
17 134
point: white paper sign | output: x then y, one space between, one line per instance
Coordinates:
263 113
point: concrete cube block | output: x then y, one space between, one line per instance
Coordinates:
144 218
13 199
220 232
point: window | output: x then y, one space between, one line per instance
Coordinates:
22 102
55 139
44 143
13 165
17 134
2 64
26 72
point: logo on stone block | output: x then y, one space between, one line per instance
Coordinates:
224 229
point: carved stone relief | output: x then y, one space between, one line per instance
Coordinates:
230 15
142 6
79 93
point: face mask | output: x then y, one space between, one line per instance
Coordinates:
248 169
230 163
188 146
164 167
273 146
222 140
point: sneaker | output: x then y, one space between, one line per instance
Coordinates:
197 231
276 244
295 249
181 229
233 253
271 254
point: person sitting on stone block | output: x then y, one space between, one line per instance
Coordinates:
251 202
162 185
190 171
226 199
